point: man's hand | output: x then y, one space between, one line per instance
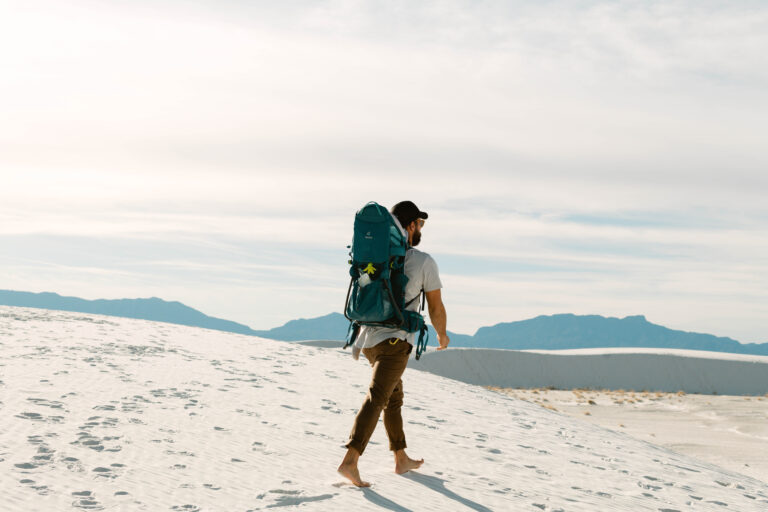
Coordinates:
443 340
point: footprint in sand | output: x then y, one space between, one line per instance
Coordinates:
252 414
317 434
111 472
42 490
26 465
431 427
105 443
73 464
186 508
181 454
86 500
53 404
43 458
34 416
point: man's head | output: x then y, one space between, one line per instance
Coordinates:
411 218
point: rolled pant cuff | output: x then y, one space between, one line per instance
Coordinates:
357 445
397 446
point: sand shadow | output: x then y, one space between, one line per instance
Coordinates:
378 499
438 485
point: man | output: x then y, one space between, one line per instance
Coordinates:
388 349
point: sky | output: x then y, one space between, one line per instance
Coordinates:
574 157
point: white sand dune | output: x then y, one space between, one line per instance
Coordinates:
628 368
102 413
730 431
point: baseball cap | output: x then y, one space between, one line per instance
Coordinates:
407 212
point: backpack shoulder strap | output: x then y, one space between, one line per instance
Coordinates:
420 294
421 344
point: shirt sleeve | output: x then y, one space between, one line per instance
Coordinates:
431 275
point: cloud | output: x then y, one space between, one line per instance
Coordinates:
556 85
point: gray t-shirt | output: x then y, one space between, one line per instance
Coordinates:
422 272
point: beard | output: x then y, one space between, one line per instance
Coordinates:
416 238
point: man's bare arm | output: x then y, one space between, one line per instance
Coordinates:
438 317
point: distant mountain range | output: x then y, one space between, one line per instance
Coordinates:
155 309
329 327
556 332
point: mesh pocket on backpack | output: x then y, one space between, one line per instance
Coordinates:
370 303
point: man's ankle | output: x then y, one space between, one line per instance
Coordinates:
351 457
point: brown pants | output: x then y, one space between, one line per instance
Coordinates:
388 359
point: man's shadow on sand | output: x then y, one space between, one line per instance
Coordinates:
431 482
378 499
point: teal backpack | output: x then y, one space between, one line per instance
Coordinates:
376 294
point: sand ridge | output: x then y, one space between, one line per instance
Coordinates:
639 369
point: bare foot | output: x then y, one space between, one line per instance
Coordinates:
351 472
404 464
